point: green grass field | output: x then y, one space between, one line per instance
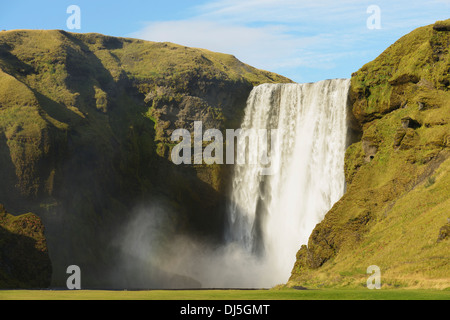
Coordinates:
285 294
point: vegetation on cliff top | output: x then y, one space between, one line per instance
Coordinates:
402 74
394 213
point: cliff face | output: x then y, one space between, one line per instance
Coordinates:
85 126
394 213
24 260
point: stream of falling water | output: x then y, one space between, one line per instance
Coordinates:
271 216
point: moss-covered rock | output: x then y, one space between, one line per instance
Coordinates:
398 174
24 259
409 69
444 232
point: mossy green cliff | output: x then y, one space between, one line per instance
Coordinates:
394 213
24 260
85 125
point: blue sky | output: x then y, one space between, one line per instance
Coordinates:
304 40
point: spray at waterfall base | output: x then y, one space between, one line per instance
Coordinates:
288 172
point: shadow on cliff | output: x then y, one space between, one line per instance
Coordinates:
22 265
8 179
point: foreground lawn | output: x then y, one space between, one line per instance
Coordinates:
286 294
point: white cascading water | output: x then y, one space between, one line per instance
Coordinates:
271 216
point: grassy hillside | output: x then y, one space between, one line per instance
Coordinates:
85 126
394 213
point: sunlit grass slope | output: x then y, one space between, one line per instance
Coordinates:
395 212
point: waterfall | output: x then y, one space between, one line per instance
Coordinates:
271 213
271 216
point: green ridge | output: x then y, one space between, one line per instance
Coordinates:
394 213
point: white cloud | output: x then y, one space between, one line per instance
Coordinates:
267 46
287 11
271 45
283 35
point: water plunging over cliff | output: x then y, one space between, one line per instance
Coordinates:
270 216
271 213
